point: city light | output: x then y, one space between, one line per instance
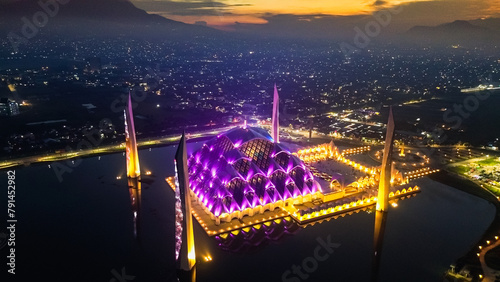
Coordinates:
87 89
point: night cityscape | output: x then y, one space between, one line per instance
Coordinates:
234 140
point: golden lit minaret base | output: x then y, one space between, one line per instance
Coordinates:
331 148
275 126
385 170
132 155
186 255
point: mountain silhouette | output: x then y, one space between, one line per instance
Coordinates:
455 33
456 26
92 17
109 10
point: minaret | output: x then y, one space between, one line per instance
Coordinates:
385 170
133 169
275 126
184 236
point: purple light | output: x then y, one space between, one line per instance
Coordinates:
305 191
212 179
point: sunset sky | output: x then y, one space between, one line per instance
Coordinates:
227 12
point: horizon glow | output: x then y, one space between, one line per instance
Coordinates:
224 13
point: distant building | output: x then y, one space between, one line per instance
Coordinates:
8 108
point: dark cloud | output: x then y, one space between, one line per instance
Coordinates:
399 19
442 11
379 3
305 26
203 23
430 12
2 2
186 8
200 12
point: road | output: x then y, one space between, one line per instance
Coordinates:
167 140
489 273
105 149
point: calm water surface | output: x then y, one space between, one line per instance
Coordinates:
81 229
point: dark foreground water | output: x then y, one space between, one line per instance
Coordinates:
81 229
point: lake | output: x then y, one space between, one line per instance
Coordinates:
81 229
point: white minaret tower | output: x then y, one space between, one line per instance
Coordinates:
185 252
132 155
275 126
385 171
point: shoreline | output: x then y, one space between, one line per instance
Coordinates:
50 157
470 259
97 151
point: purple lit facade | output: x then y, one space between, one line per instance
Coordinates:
243 169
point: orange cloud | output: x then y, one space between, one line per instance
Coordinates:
227 12
217 20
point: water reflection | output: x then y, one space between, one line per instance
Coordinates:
250 238
134 189
378 239
187 276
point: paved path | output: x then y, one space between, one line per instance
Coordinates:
489 273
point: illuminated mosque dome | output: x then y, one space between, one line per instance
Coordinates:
243 169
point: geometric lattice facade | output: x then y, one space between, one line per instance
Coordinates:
243 169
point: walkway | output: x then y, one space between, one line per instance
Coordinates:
489 273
